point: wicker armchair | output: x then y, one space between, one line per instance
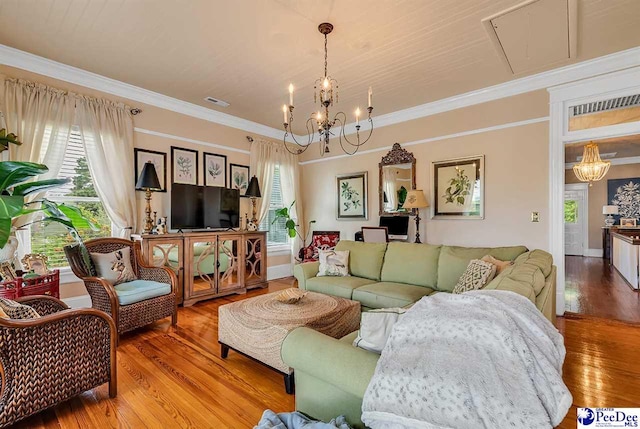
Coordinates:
104 297
48 360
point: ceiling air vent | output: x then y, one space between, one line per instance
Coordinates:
602 106
534 34
217 101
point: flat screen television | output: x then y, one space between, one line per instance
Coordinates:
202 207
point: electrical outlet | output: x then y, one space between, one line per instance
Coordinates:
535 217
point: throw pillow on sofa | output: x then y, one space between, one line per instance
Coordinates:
15 310
333 263
476 276
375 328
115 267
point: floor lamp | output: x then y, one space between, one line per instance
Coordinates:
148 182
416 200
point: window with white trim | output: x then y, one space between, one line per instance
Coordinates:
50 238
278 234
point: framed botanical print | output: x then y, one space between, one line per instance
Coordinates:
239 177
215 170
458 188
159 160
352 199
184 165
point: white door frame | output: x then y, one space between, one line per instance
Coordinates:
616 84
583 189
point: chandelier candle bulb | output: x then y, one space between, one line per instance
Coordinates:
290 94
370 96
284 113
358 116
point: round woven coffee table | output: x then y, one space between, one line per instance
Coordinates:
256 327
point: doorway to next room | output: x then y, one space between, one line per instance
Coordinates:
602 231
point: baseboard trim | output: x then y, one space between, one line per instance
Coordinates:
593 253
81 301
279 271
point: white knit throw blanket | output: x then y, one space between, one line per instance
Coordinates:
483 359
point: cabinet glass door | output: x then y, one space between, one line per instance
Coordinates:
167 253
229 274
203 267
254 248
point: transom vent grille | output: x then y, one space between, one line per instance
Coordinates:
611 104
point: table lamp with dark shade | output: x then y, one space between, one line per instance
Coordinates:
253 192
148 182
416 200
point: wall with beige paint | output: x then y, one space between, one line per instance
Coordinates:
232 141
516 172
598 198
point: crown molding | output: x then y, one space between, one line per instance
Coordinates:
559 76
614 161
586 69
26 61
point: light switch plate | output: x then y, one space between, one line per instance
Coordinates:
535 217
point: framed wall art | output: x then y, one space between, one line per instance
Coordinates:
352 198
624 193
215 169
458 188
184 165
159 160
36 262
239 177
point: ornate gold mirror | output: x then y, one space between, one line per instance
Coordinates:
397 178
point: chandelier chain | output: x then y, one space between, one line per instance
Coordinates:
325 56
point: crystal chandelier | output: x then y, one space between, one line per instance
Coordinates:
325 91
591 168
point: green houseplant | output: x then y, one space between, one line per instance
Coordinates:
284 213
15 185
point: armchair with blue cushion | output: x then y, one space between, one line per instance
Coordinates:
151 297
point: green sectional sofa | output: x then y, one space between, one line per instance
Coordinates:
332 375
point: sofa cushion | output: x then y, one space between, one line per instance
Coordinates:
504 282
114 267
336 286
139 290
365 259
411 263
527 273
15 310
539 258
333 263
388 294
477 275
453 261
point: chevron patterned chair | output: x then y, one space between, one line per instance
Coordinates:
50 359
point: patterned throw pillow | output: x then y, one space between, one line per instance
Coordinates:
15 310
477 274
115 267
334 263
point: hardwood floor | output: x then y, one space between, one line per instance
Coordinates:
175 377
594 288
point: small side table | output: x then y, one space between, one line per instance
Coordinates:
48 284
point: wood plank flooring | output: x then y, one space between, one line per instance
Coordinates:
594 288
175 377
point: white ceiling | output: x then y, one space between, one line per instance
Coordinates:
246 52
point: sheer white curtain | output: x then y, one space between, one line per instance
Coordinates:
107 132
264 158
290 185
41 117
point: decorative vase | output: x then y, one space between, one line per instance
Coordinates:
8 252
